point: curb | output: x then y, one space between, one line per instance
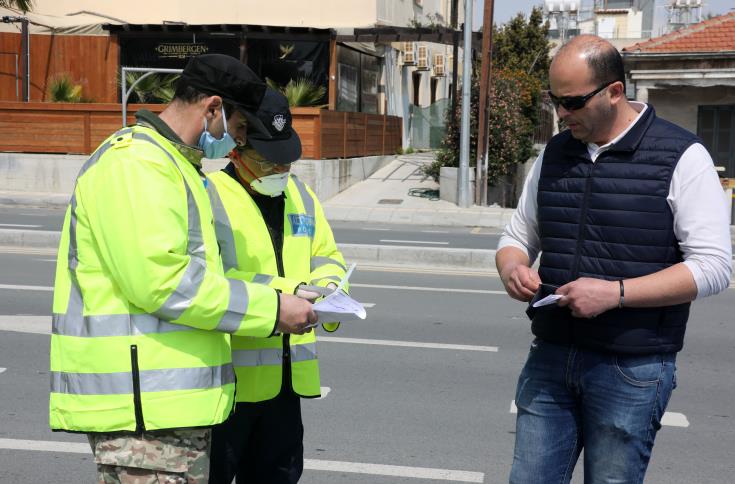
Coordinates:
34 199
380 255
422 257
469 217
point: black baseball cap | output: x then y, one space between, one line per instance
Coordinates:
270 131
227 77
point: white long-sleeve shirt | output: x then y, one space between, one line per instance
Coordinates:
696 200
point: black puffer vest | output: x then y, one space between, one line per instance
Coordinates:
610 220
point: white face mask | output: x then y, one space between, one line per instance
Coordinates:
271 185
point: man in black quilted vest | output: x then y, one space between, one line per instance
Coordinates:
628 215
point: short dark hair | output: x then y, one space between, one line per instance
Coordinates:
606 64
189 94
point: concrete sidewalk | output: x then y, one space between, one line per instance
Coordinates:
385 197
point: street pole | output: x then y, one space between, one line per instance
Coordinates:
483 127
455 55
25 59
463 185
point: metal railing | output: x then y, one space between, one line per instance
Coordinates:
124 82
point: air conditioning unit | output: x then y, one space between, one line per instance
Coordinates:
422 58
409 53
439 69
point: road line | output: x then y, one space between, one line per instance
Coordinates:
414 242
20 226
419 270
670 419
309 464
674 419
324 391
2 370
433 289
16 287
394 471
8 249
26 324
368 305
407 344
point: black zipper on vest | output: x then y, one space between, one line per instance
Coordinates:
582 225
139 423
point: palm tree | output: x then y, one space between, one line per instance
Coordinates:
154 88
22 5
301 92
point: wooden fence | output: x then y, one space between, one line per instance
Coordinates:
336 134
80 128
88 60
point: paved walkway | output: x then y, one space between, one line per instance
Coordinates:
386 197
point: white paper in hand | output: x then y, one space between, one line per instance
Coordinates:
550 299
338 306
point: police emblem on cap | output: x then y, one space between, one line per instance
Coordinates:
279 121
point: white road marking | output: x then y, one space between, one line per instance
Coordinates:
309 464
2 370
419 270
20 226
670 419
394 471
674 419
6 249
26 324
368 305
407 344
434 289
45 446
414 242
324 391
26 288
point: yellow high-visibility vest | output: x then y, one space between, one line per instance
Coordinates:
309 256
142 310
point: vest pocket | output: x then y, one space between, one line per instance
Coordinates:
139 424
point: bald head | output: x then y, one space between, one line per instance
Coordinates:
602 61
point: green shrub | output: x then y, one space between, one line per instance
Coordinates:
63 90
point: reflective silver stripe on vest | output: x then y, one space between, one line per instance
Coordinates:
273 356
182 297
75 307
223 228
121 383
305 198
329 278
319 261
236 308
112 325
262 279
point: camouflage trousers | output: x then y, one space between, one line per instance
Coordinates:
178 456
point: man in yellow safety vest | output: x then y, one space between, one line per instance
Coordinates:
142 312
272 230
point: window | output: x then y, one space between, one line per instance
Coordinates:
716 127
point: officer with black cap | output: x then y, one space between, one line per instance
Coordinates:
143 312
271 229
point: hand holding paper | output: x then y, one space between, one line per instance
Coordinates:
338 306
550 299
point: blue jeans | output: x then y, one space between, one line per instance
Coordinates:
570 398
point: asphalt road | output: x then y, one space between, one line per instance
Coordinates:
345 232
403 405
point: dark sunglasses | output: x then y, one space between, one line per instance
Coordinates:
572 103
